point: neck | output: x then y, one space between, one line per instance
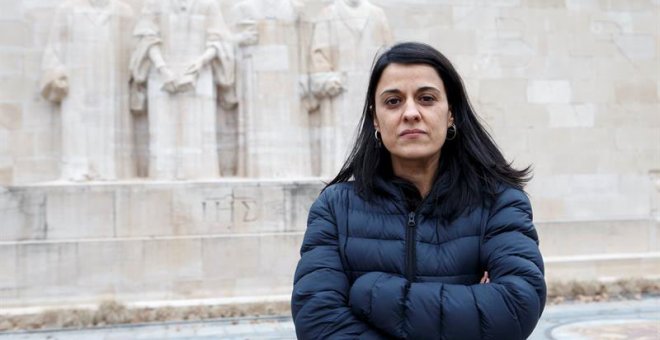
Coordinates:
419 173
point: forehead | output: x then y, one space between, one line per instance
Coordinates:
398 76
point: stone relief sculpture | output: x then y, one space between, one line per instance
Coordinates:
273 128
347 35
85 70
183 61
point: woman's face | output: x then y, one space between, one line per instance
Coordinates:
412 112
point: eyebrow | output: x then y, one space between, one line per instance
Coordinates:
420 89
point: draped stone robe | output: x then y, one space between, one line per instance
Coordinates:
182 125
85 67
344 45
273 128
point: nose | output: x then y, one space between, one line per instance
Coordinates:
411 112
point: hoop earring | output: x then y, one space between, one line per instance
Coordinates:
452 132
378 143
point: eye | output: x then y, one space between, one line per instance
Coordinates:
427 98
392 101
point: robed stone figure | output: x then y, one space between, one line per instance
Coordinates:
183 60
273 127
346 37
85 69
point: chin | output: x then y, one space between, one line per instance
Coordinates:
415 154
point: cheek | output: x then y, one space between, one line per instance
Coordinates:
388 135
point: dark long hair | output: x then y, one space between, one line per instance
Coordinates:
471 166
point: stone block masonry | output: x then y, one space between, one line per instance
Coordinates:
139 241
570 87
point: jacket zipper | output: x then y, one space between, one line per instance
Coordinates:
410 247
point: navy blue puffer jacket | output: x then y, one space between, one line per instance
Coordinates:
362 276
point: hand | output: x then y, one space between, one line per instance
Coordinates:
195 67
57 89
61 83
249 34
249 37
186 83
485 278
333 87
169 81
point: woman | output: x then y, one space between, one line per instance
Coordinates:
397 243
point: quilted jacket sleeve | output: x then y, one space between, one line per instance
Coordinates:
506 308
319 302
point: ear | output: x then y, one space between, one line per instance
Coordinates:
375 120
450 121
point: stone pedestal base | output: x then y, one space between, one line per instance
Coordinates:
224 240
63 243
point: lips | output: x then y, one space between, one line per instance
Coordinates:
411 132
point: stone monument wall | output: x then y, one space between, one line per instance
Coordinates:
571 87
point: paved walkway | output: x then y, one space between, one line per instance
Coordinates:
608 320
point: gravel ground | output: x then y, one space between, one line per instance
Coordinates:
576 310
632 319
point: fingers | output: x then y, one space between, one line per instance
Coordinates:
485 278
194 68
169 87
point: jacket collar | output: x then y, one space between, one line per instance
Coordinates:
387 188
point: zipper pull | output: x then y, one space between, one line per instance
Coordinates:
411 219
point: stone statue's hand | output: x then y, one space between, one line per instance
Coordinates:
249 36
195 67
57 89
169 80
333 87
61 83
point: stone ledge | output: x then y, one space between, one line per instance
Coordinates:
133 209
584 238
199 267
603 267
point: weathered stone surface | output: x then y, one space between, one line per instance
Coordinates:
636 91
142 209
637 47
141 212
565 116
604 268
117 240
10 116
23 216
273 129
569 87
549 91
14 33
182 63
606 237
85 68
502 90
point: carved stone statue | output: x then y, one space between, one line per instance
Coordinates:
273 128
85 69
183 60
347 35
